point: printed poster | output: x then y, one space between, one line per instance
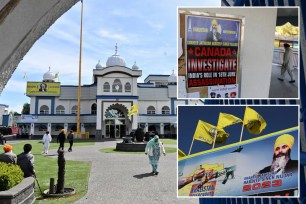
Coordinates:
212 52
243 169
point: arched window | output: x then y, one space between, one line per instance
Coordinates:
117 86
74 110
150 110
60 109
44 109
127 87
94 108
106 87
165 110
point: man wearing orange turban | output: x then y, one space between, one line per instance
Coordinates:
8 156
281 158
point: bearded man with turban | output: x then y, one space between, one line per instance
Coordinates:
214 34
282 162
8 156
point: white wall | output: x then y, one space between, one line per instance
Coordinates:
256 50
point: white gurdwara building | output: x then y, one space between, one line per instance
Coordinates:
105 103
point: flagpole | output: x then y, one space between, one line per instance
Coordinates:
80 69
191 146
215 138
241 132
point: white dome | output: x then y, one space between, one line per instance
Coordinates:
48 76
172 78
115 60
135 66
99 66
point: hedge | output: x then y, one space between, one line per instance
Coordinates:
10 176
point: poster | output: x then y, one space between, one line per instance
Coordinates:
225 91
242 169
43 89
212 51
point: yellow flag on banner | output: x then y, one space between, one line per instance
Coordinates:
253 122
181 154
205 132
133 110
227 120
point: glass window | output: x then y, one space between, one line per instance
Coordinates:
60 110
127 87
151 110
74 110
94 108
165 110
58 127
42 128
106 87
117 86
44 109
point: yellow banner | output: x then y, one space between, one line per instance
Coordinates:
43 89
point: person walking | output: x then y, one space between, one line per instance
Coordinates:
8 156
70 139
46 142
61 139
154 149
287 64
26 161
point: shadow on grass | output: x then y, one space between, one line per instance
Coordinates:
141 176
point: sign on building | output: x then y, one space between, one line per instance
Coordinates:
43 89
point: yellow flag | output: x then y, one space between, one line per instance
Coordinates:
227 120
205 132
133 110
253 122
181 154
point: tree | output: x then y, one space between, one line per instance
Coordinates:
25 109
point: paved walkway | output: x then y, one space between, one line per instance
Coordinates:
125 178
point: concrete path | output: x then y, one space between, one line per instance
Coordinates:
126 178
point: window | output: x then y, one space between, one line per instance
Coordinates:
44 109
150 110
127 87
106 87
117 86
58 127
165 110
42 128
60 110
74 110
94 108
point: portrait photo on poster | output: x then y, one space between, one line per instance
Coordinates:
228 151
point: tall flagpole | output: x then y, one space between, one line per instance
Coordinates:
80 69
191 146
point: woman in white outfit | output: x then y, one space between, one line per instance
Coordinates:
46 141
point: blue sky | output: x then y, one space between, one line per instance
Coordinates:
145 30
276 117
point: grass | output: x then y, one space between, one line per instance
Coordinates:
76 176
169 141
113 150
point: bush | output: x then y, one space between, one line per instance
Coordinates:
10 176
139 135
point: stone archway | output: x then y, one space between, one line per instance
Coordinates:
21 35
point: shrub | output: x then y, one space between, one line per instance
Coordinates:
10 176
139 135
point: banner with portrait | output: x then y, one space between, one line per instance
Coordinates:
261 166
43 89
212 50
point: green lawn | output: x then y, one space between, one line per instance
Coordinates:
77 172
113 150
169 141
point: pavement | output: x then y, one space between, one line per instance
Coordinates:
126 178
